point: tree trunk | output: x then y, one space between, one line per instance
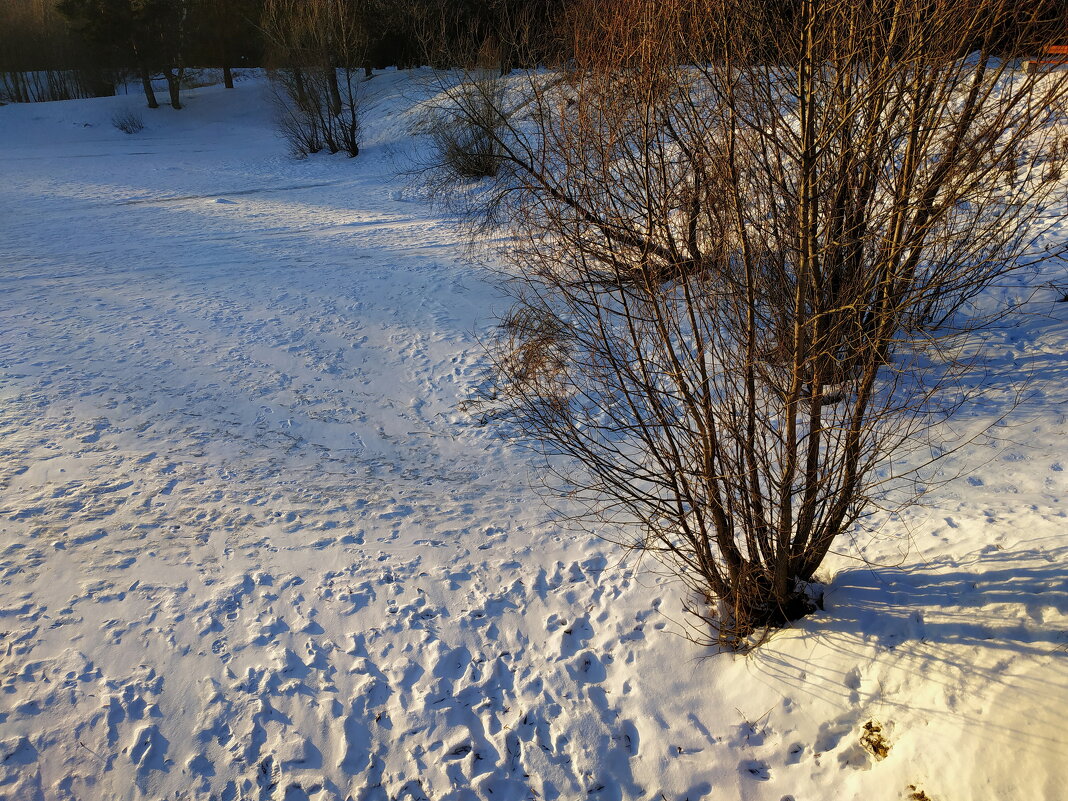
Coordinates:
146 84
228 77
367 70
335 91
23 88
301 91
173 88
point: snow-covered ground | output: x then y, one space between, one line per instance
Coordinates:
250 547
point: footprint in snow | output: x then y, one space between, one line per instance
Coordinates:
149 749
218 647
588 667
794 754
755 769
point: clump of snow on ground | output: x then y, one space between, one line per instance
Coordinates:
250 548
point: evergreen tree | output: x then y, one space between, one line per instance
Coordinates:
145 36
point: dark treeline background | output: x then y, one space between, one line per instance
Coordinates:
62 49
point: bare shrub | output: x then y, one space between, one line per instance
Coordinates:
751 245
465 128
128 121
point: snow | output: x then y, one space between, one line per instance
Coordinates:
251 547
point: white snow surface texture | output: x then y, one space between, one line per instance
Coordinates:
252 548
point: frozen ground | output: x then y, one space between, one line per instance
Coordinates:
251 549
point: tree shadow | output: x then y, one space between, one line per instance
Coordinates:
946 640
993 598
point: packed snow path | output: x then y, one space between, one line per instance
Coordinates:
250 548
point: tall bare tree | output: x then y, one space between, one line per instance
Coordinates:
752 242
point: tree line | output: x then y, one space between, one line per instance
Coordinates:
62 49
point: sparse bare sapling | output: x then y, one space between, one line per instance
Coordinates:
317 50
751 244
